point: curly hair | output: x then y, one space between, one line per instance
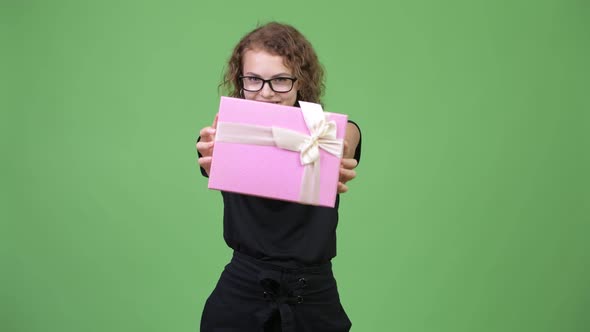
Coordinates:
297 52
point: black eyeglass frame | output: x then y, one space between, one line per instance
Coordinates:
269 81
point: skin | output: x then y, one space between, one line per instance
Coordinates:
265 65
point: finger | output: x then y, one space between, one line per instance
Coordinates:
346 175
205 145
215 121
342 188
349 163
205 162
205 148
207 133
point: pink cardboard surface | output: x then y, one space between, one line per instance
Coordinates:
269 171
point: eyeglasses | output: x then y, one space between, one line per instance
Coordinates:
277 84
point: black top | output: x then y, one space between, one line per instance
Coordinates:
285 233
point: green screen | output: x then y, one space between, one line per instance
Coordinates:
470 211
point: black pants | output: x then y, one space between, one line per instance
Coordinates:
255 296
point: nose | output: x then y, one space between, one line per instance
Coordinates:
266 91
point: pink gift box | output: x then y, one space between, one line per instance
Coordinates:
267 170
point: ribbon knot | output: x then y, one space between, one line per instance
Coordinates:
309 150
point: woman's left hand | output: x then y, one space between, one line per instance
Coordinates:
347 173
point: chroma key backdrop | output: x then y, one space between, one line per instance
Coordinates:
470 211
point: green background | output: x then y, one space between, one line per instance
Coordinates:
471 207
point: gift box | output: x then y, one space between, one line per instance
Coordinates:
279 152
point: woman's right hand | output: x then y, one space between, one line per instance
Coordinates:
205 145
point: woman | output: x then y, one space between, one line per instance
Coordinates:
280 277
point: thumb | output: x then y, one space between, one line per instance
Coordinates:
345 150
215 121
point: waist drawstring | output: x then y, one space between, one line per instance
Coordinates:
282 294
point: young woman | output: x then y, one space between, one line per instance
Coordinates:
280 277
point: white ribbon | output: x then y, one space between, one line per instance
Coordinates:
322 136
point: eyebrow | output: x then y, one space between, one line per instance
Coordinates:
273 76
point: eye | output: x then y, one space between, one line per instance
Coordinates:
281 80
252 79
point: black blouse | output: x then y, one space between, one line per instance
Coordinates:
285 233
